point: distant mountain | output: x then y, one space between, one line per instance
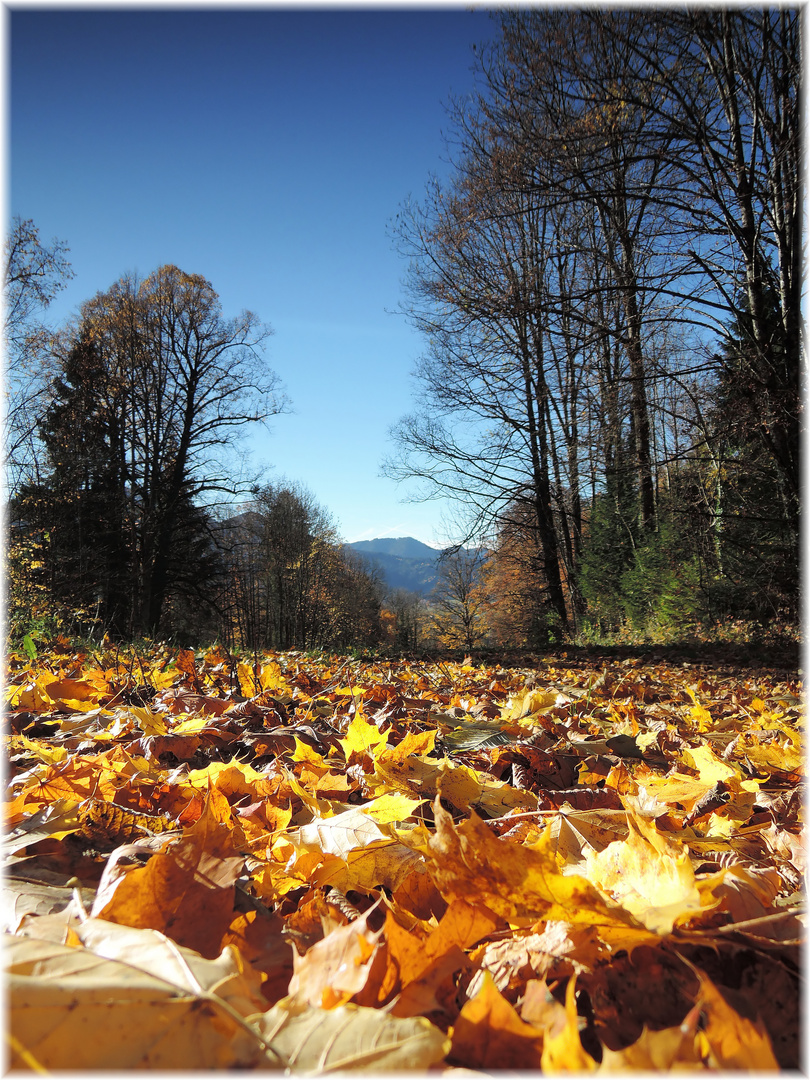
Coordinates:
403 563
404 547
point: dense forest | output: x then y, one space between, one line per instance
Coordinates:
608 286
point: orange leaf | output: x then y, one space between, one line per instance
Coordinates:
186 891
735 1042
489 1034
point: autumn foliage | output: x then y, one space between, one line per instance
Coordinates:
319 864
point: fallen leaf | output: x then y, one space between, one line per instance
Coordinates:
73 1009
336 968
350 1039
650 874
489 1034
734 1042
562 1051
185 891
469 863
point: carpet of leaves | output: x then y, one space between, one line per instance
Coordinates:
322 864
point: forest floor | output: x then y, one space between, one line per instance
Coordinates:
586 860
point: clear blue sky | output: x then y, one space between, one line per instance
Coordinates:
266 149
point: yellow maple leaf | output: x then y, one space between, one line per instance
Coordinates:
521 884
390 808
709 765
361 738
649 874
305 753
150 723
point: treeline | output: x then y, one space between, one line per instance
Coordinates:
609 286
120 454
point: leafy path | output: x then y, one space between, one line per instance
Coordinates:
323 864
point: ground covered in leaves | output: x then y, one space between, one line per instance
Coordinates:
322 864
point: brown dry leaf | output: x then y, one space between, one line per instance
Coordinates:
557 951
469 903
745 892
489 1034
225 975
576 832
647 984
418 896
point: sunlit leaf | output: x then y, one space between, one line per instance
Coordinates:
185 891
650 874
563 1051
71 1008
361 738
468 863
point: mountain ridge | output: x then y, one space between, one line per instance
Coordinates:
403 562
404 547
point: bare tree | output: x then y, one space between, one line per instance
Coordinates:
186 382
34 273
621 184
726 115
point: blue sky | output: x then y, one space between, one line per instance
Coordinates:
266 149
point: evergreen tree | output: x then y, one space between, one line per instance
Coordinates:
612 535
755 428
79 505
